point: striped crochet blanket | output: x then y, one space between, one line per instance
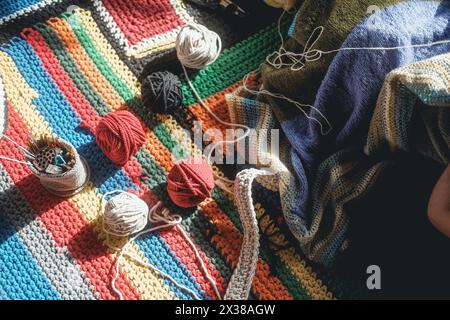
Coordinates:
60 76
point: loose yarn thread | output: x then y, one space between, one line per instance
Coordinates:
162 90
127 215
298 61
119 135
198 47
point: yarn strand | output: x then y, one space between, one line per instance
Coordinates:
198 47
129 219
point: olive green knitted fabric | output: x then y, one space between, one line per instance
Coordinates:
338 17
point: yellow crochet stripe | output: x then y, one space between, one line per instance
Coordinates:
160 46
108 51
314 286
149 285
294 262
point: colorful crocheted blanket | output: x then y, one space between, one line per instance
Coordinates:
61 76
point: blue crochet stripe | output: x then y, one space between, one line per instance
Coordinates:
64 121
21 277
8 7
291 29
250 109
3 294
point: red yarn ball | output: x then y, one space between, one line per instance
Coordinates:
119 135
190 182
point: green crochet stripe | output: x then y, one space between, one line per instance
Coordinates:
71 68
292 284
234 63
103 66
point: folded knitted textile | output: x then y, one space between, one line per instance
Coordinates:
411 115
144 27
413 111
347 98
338 17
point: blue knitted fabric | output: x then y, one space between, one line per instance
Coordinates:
348 93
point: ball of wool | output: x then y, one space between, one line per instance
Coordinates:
119 135
162 91
125 214
197 46
190 182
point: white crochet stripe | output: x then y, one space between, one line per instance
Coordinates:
147 45
27 10
3 109
241 281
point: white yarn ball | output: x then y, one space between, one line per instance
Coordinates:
125 214
197 46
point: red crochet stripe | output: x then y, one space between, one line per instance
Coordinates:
63 219
70 91
141 19
89 117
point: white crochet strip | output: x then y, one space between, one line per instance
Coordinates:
242 278
27 10
3 109
147 45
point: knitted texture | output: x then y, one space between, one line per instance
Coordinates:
62 76
411 116
347 97
242 278
338 17
412 111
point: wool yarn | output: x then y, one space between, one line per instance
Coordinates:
162 92
125 214
190 182
197 46
119 135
